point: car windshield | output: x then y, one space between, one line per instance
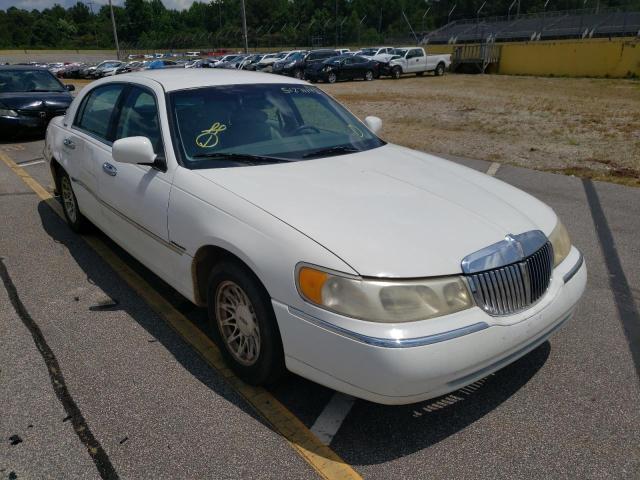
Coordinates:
284 121
29 81
295 56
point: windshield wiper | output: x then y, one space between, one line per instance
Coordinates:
326 152
241 157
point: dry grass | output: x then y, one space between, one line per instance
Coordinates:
584 127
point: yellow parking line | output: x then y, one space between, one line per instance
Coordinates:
324 460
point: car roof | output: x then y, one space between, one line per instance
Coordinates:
178 79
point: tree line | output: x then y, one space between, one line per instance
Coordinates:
148 24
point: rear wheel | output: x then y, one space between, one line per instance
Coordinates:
244 324
368 76
75 219
439 71
396 73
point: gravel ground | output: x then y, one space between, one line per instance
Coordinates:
579 126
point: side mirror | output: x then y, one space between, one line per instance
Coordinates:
134 150
70 88
374 124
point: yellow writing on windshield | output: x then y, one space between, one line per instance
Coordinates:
209 138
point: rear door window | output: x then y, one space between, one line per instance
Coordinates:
94 115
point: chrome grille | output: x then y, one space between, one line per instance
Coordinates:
511 288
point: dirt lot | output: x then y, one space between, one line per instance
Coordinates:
585 127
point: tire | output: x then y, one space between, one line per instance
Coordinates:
439 71
396 73
244 325
299 74
332 77
75 219
368 76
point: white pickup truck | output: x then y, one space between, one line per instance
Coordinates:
412 60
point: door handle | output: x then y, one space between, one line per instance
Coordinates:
109 169
67 142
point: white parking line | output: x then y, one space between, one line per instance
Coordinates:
331 418
28 164
493 168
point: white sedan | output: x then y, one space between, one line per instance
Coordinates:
317 247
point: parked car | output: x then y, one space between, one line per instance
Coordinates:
268 202
267 63
192 54
72 70
236 62
250 61
29 98
343 67
371 52
130 67
225 60
200 63
104 69
412 60
296 64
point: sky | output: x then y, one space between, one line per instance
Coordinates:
42 4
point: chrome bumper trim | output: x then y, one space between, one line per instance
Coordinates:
570 274
391 342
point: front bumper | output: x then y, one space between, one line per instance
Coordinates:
20 125
407 363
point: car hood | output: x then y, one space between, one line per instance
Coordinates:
389 212
36 100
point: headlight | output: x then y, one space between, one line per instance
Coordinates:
327 68
386 301
5 112
561 243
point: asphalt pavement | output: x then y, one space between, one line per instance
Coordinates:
93 382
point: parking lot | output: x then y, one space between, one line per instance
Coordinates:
105 371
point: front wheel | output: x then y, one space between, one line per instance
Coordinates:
75 219
299 74
244 324
396 73
332 77
368 76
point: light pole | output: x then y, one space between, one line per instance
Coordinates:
244 27
423 17
359 27
115 30
510 7
450 12
478 17
336 24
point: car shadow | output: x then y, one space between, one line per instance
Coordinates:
371 433
384 433
98 273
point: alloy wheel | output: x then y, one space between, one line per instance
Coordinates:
237 323
67 198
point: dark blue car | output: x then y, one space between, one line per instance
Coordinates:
29 98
